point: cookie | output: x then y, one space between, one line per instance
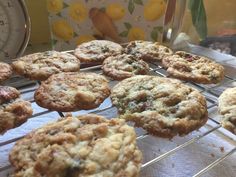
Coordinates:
190 67
39 66
5 71
72 91
83 146
162 106
13 110
147 50
123 66
97 50
227 108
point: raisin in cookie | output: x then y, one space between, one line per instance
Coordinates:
147 50
97 50
227 108
194 68
162 106
72 91
84 146
39 66
13 110
123 66
5 71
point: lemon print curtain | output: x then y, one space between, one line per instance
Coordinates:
73 22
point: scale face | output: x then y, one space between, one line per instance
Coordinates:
14 29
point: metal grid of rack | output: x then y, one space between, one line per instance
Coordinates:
210 92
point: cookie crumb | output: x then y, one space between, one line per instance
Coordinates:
222 149
212 155
212 145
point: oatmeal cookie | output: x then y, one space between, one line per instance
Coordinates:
190 67
5 71
84 146
227 108
72 91
162 106
13 110
123 66
147 50
39 66
97 50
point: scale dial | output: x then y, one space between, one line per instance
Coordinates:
14 29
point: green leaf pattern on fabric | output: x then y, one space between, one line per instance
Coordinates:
127 25
65 5
59 14
103 9
54 42
199 18
140 2
131 6
124 34
155 32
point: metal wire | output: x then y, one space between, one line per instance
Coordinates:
43 113
213 164
157 70
193 140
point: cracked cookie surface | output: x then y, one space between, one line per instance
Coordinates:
39 66
148 51
123 66
13 110
227 108
190 67
97 50
5 71
84 146
72 91
162 106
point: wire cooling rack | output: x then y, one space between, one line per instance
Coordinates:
156 151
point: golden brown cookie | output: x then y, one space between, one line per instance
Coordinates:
84 146
227 108
147 50
13 110
162 106
190 67
97 50
123 66
39 66
5 71
72 91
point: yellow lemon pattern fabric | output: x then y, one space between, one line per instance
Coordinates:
154 9
62 29
115 11
136 33
84 38
73 22
78 12
54 6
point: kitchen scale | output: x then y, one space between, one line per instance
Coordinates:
15 33
14 28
